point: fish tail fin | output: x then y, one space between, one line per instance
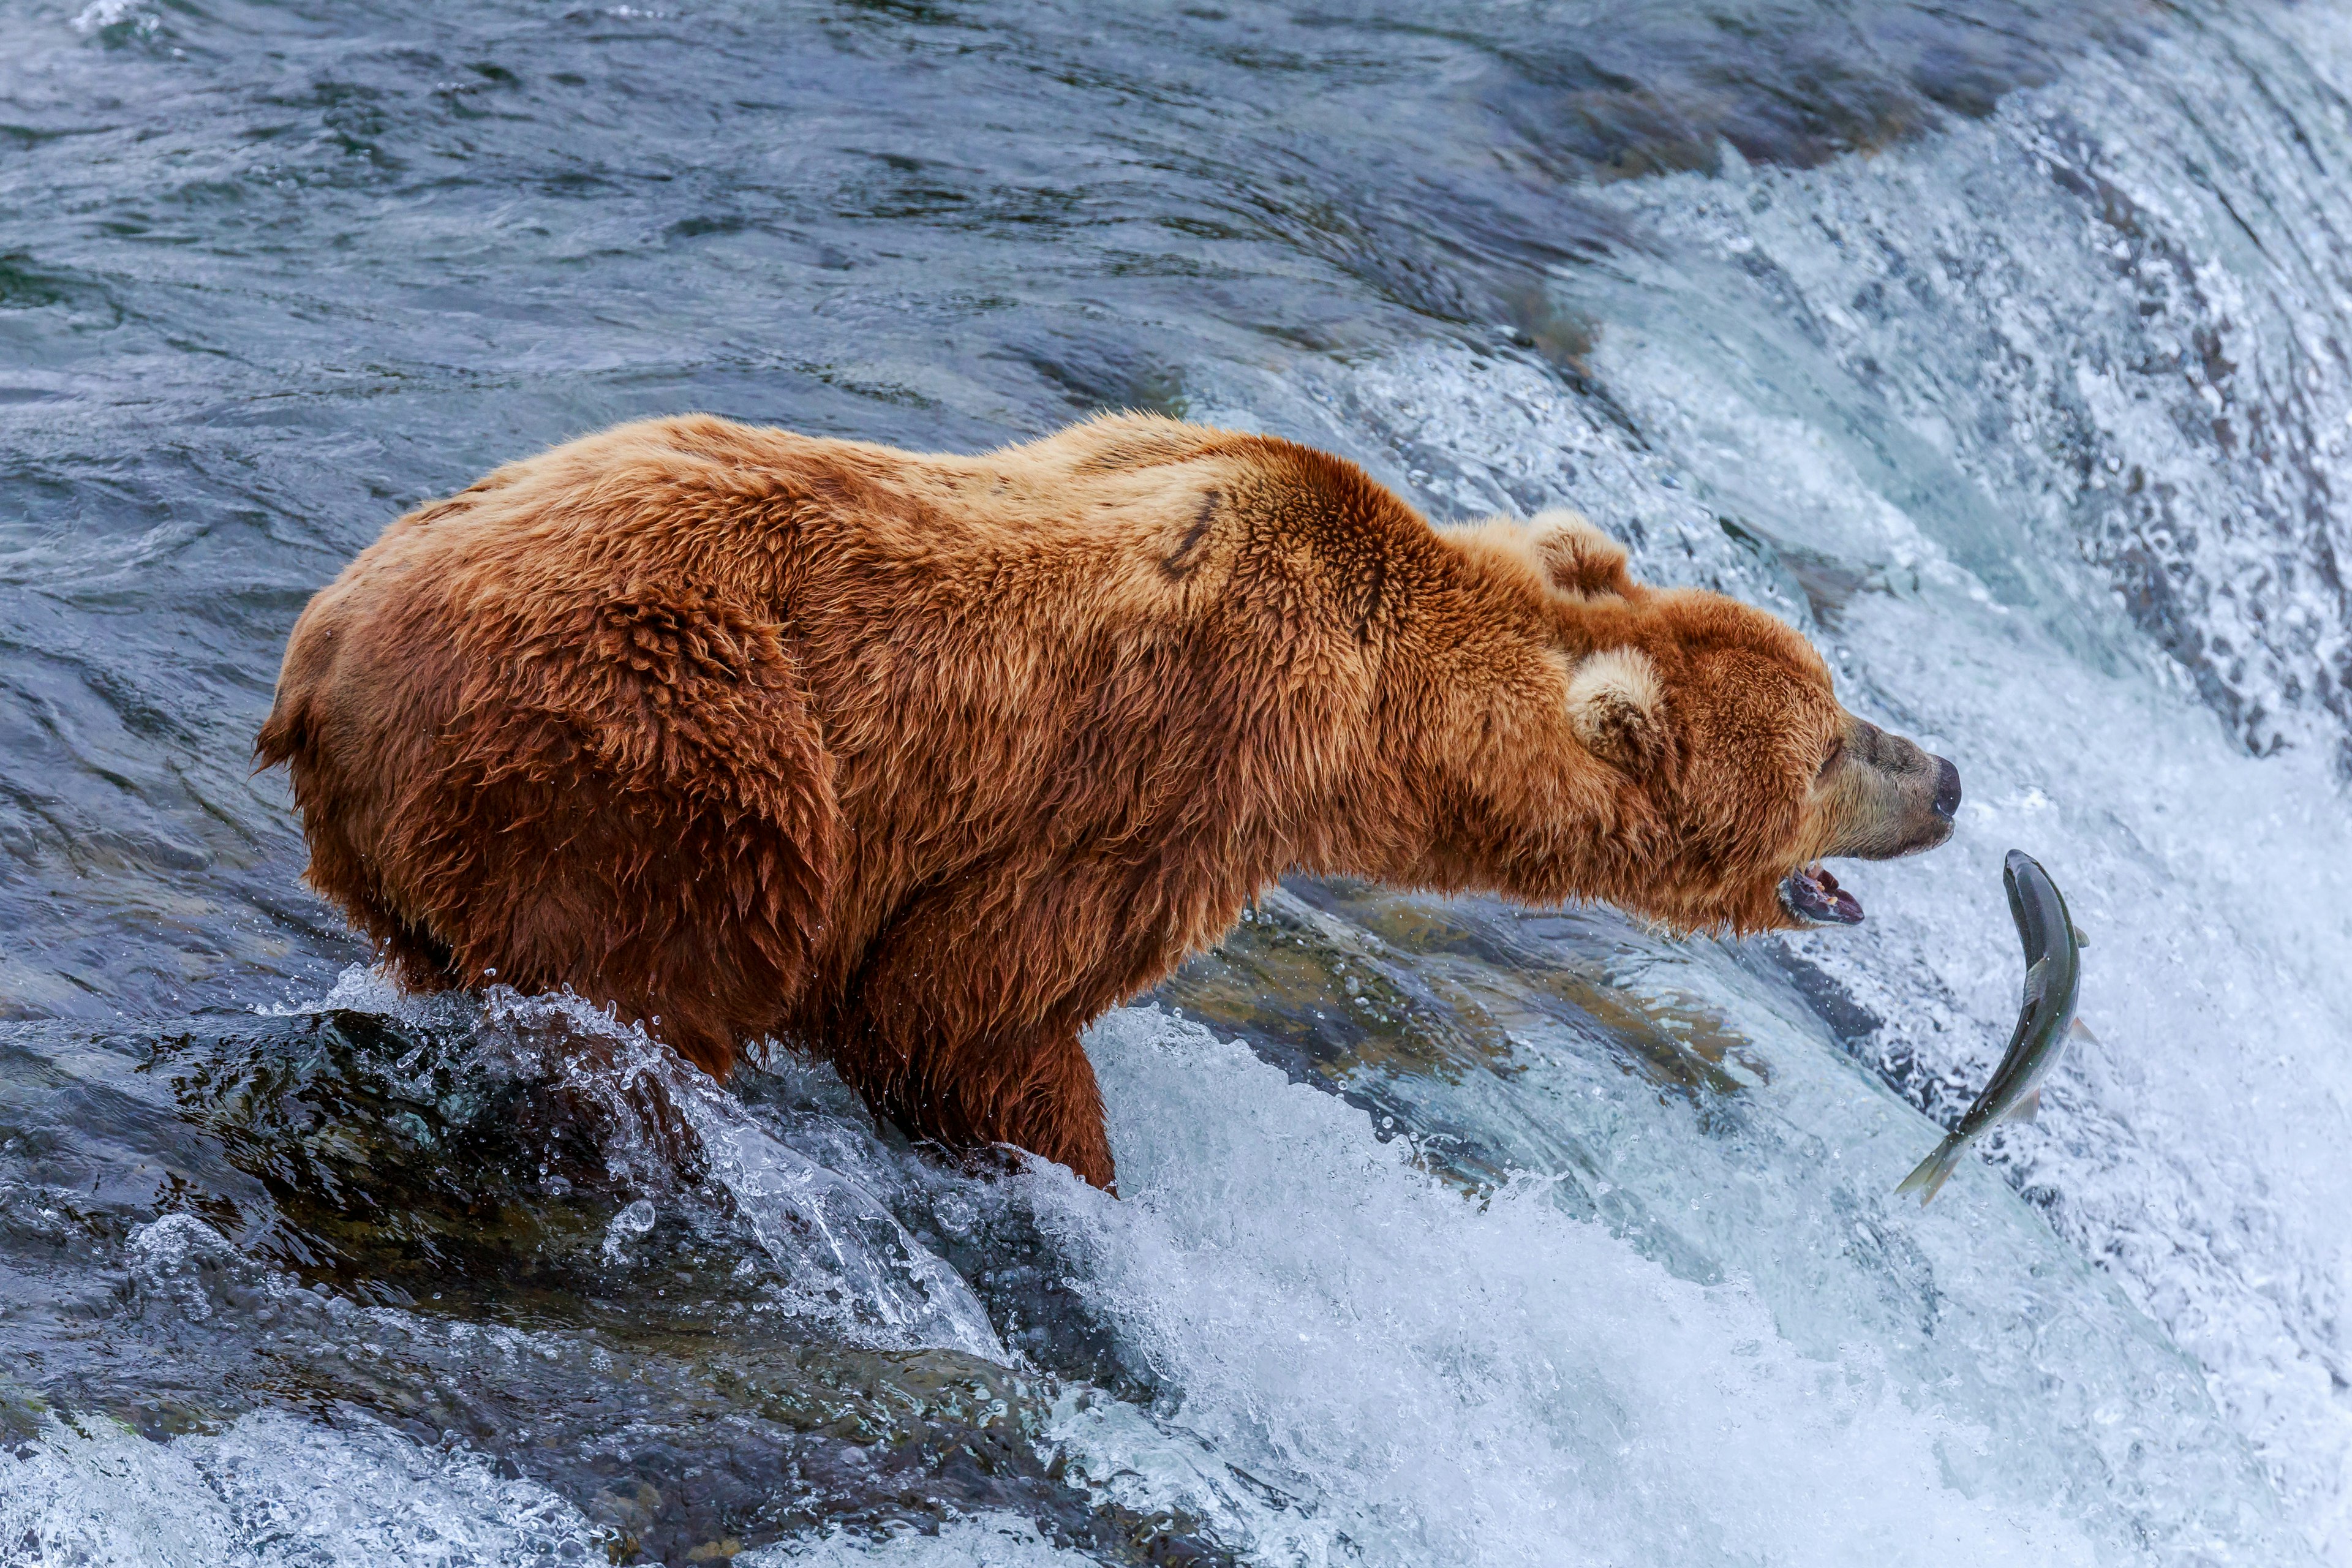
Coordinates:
1933 1172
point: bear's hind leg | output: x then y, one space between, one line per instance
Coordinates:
417 958
634 805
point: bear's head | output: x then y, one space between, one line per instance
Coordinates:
1722 766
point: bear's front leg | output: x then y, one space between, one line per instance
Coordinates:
962 1037
1035 1091
923 1060
1044 1100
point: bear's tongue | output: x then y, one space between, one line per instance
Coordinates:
1812 894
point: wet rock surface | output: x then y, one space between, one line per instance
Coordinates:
342 1212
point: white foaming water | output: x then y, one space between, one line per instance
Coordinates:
100 14
1366 1365
847 1259
1361 1363
2196 1152
1961 417
990 1543
272 1491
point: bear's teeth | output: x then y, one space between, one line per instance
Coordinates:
1812 894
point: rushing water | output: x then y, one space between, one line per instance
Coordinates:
2005 347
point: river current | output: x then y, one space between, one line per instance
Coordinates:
2005 347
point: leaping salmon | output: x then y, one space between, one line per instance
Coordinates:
2053 973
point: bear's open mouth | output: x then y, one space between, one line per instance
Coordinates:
1812 894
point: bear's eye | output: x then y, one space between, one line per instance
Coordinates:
1829 760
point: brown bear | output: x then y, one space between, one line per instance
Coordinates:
920 762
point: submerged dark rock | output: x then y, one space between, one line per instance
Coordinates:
343 1212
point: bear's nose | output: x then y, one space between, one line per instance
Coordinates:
1948 789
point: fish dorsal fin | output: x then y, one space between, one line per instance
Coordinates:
2080 940
2027 1108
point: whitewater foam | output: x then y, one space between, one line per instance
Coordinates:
271 1490
1366 1364
1920 403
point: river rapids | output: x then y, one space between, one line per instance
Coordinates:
2004 346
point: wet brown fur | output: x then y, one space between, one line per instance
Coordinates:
920 762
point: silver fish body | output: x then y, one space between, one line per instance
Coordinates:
2053 976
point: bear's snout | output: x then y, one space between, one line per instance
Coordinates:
1889 797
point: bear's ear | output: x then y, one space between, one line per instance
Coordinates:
1578 557
1617 707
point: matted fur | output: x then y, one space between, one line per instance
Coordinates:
920 763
